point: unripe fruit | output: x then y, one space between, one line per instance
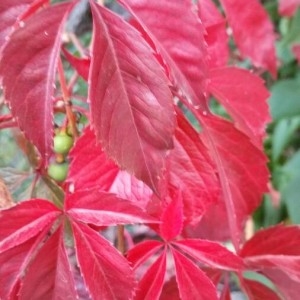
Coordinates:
62 143
58 172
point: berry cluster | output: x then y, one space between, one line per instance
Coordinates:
63 142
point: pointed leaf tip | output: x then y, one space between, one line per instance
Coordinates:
178 38
245 97
172 218
288 7
253 32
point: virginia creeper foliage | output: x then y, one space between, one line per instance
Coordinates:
150 152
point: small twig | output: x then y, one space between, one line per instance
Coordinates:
249 229
225 288
80 98
77 44
120 239
82 110
66 97
5 196
73 81
33 184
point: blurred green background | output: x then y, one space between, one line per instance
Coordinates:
283 142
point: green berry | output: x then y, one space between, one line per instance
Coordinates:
58 172
63 143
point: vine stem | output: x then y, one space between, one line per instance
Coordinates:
242 282
33 184
120 239
66 98
73 81
226 287
249 229
77 43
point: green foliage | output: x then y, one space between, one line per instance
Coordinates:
285 98
283 142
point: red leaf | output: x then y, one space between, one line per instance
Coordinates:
128 90
142 251
13 264
170 290
128 187
177 34
25 220
81 65
213 225
211 253
215 275
49 276
266 242
253 32
191 171
244 95
192 282
104 209
91 168
105 271
6 200
289 288
12 12
151 284
288 7
216 36
226 293
290 265
172 218
28 68
275 253
241 168
257 291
